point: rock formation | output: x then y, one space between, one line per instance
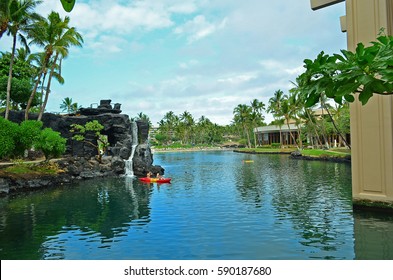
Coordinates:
79 157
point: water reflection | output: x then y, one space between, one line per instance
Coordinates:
217 207
98 210
373 235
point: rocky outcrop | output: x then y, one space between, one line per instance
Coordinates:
143 161
79 158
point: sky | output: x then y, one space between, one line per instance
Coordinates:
201 56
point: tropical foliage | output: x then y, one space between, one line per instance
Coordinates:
30 75
365 72
69 106
184 129
16 139
51 143
100 141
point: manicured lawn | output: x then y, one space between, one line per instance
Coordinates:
326 153
266 150
306 152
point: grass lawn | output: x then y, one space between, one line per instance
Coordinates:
266 150
339 152
26 169
326 153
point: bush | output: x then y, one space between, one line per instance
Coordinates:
275 145
8 133
243 142
51 143
28 134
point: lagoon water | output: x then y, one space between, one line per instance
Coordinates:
220 205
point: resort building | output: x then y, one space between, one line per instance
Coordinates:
267 135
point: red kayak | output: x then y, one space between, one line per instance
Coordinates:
155 180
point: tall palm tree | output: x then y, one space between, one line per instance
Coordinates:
275 108
188 122
20 17
286 112
170 121
242 115
55 35
257 118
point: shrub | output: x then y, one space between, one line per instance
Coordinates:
8 132
28 133
51 143
91 127
275 145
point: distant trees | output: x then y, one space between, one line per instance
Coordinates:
186 130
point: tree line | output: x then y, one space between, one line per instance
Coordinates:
313 130
26 78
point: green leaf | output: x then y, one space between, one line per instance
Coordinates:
365 95
68 5
312 99
349 98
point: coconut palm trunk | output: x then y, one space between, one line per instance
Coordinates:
32 95
52 70
8 99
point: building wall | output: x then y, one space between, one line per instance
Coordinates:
372 124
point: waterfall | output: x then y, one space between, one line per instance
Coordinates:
129 171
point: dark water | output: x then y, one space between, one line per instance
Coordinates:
217 207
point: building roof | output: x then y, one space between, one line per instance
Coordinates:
275 128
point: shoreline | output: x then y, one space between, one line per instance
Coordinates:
198 149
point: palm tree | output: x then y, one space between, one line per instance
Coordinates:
287 114
275 108
143 117
55 35
68 105
188 123
20 17
242 115
168 124
257 118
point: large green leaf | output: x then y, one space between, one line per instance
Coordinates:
68 5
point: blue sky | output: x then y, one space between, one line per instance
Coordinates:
200 56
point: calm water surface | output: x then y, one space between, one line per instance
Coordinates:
217 207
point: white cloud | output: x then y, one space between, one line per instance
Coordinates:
278 68
188 64
238 79
199 28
